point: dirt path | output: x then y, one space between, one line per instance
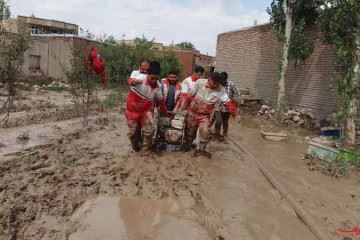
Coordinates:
330 202
90 186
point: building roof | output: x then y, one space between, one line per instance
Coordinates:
63 36
48 20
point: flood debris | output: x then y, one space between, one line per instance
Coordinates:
328 155
274 136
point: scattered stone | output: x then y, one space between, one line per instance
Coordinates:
301 122
265 107
296 118
291 112
266 111
311 115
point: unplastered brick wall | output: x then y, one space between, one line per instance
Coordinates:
251 56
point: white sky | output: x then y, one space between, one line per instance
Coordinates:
197 21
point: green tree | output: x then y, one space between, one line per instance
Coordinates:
339 22
290 20
4 12
122 59
143 49
169 62
106 39
186 46
110 39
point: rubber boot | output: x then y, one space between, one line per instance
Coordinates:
135 140
147 144
202 151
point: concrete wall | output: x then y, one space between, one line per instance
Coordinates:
55 56
250 57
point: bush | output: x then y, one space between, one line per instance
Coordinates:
121 60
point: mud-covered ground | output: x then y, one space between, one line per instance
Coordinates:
41 105
67 182
52 192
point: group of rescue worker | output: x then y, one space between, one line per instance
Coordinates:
205 102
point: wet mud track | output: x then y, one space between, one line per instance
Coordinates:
89 185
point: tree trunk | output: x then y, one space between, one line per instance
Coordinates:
288 10
350 127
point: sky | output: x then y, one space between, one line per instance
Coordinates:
167 21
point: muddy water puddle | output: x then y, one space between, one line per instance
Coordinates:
13 140
132 219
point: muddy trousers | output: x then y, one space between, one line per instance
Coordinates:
195 122
141 130
221 119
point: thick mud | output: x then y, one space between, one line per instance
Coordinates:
61 181
87 184
32 107
332 203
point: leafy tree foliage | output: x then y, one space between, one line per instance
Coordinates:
339 22
186 46
4 11
168 62
304 15
122 59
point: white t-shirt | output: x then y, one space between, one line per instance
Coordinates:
138 75
202 91
187 85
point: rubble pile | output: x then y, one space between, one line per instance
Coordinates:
301 117
267 111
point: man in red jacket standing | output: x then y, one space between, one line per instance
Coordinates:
206 93
143 96
187 85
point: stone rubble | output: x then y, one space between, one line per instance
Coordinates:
301 117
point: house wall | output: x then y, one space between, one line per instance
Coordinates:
250 57
55 57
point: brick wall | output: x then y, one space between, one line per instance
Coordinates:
250 57
187 59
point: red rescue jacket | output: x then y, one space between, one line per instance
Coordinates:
97 64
